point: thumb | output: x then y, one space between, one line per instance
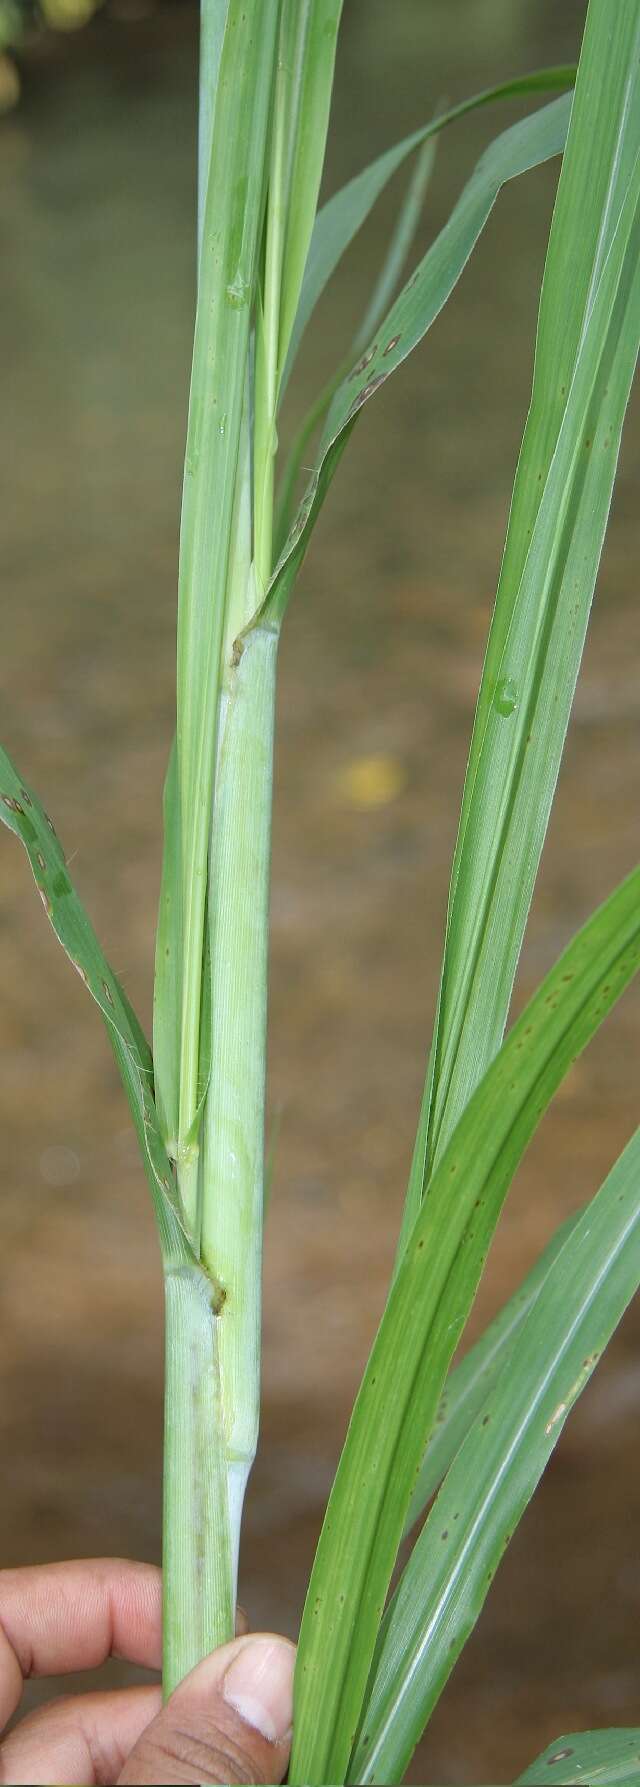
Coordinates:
229 1721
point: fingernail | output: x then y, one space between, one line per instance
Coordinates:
259 1685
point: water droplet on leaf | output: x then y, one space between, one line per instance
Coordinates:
506 697
238 291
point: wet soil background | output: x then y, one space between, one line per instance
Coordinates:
380 661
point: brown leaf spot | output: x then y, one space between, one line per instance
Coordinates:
364 362
372 386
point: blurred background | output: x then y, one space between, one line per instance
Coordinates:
380 665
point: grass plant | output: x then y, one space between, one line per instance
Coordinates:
479 1433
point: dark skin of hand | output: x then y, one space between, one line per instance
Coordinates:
229 1721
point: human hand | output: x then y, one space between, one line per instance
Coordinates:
229 1721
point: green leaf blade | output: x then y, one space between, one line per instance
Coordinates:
167 983
468 1386
446 1581
587 344
317 60
421 1326
213 18
339 221
525 145
389 277
588 1759
22 812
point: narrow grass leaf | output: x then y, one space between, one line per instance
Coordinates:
447 1578
315 27
389 277
469 1384
339 221
213 18
524 146
587 344
287 125
588 1759
399 247
167 984
21 811
422 1322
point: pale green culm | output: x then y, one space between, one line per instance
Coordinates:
476 1434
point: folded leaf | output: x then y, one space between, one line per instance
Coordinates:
21 811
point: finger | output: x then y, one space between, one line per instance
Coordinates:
228 1722
58 1617
78 1741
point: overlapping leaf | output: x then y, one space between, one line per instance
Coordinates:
587 345
344 214
524 146
213 18
227 274
422 1322
167 995
388 279
445 1583
313 33
468 1386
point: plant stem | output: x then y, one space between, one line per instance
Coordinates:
232 219
208 1449
233 1124
198 1585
